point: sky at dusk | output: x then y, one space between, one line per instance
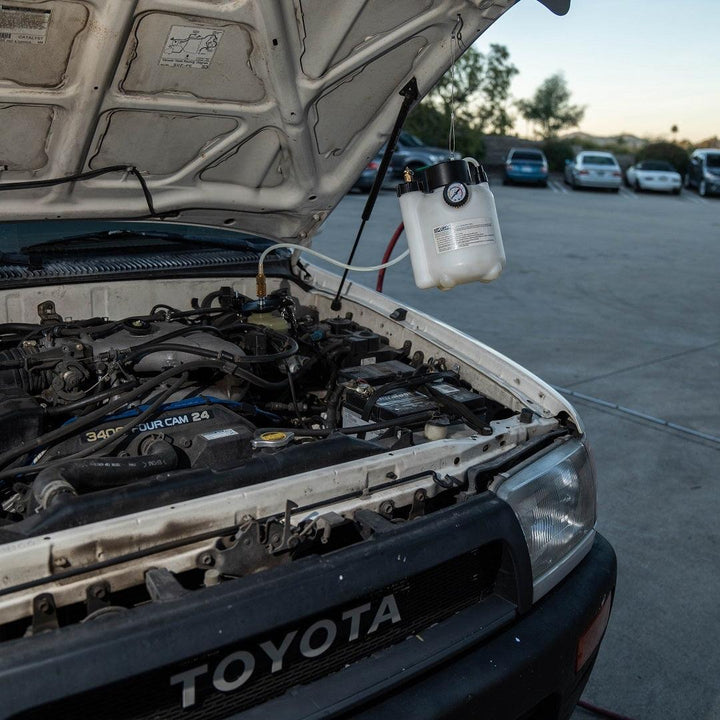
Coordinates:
640 66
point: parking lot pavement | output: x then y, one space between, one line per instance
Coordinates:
615 297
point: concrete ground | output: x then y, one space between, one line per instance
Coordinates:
616 297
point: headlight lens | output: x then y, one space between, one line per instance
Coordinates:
554 500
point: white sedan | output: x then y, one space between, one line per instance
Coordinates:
654 175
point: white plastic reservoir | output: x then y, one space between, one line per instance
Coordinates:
451 225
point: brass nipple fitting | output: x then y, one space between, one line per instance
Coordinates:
261 285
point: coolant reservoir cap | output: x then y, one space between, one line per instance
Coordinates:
452 171
272 439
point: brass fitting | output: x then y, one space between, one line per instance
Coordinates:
407 174
261 285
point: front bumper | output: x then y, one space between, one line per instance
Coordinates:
658 185
501 657
526 670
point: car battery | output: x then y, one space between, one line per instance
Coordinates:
401 402
376 374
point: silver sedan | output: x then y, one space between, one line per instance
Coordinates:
593 169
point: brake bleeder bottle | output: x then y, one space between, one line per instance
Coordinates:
451 225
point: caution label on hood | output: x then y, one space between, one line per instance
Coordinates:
190 47
23 25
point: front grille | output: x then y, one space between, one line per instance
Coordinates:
422 600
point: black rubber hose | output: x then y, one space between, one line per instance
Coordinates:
106 445
90 400
180 485
143 350
12 328
354 429
400 385
458 408
75 476
183 331
91 418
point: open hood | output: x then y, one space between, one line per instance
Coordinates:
249 114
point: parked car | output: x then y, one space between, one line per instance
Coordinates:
594 169
654 175
703 171
367 177
414 153
526 165
410 152
223 492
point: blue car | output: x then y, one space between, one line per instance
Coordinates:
526 165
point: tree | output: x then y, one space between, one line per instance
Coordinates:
430 120
550 107
493 116
467 74
479 80
674 154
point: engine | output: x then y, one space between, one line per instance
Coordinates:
259 389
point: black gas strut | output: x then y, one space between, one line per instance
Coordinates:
410 95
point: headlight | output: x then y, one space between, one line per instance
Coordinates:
554 500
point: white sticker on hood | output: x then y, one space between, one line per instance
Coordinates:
23 25
190 47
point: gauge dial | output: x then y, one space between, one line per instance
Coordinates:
455 194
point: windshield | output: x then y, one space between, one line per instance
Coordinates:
534 155
14 236
656 165
598 160
713 160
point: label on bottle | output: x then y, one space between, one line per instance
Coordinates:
463 234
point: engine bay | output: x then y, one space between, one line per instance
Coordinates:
206 439
260 388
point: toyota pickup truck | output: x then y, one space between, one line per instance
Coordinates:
218 501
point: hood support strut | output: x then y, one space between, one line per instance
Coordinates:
410 95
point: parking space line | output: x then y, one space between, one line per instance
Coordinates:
624 192
695 199
557 187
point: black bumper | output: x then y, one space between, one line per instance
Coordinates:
498 658
527 670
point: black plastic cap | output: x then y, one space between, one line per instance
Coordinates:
407 187
452 171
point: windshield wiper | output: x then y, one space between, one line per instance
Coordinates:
99 239
22 259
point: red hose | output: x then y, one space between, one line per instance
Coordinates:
388 252
602 712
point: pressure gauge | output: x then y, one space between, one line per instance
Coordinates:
455 194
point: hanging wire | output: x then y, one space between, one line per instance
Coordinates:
455 39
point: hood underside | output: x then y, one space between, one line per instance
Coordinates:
255 115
